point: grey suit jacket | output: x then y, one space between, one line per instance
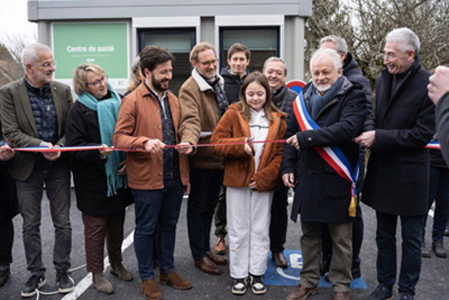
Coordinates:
19 127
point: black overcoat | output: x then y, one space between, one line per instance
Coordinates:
321 195
398 169
9 206
88 167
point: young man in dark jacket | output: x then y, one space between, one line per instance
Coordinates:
238 60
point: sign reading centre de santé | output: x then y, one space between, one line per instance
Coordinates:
103 44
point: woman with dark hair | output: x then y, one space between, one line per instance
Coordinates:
251 176
100 182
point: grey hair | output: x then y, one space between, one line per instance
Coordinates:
274 58
340 43
322 53
405 38
30 54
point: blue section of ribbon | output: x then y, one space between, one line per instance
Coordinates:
290 276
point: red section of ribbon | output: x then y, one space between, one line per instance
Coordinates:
90 148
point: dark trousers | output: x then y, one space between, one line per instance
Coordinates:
157 211
220 214
357 239
411 228
438 192
96 230
6 241
204 190
29 194
279 219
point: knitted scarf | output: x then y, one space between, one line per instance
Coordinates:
107 111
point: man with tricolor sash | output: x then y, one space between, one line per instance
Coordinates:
321 164
397 178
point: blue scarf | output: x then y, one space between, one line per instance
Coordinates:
107 110
317 101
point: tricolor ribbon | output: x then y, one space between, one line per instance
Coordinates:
332 155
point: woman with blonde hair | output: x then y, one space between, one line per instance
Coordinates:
100 185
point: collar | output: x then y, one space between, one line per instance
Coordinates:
154 93
34 89
203 84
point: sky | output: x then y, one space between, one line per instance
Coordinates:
14 22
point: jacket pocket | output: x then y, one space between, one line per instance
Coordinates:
333 185
412 170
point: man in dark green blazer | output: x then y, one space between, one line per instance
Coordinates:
33 113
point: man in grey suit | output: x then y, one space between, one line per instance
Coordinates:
33 113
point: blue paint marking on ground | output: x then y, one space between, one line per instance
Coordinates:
290 275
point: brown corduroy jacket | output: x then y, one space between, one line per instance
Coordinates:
239 166
139 120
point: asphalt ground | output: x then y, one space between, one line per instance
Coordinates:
433 284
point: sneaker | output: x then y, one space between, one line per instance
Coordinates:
33 283
64 282
257 285
326 277
425 251
381 293
239 286
4 274
405 296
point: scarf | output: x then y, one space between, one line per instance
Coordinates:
107 111
317 101
219 95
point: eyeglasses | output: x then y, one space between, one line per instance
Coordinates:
388 55
50 64
97 83
208 63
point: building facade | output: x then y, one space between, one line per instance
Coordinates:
111 33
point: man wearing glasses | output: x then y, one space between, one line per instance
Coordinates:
397 179
203 102
33 113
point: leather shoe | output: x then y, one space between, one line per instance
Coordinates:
220 246
207 266
218 260
425 251
439 250
301 293
174 280
341 296
150 290
446 230
280 260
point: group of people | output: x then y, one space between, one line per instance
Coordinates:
216 142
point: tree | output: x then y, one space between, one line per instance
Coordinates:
10 68
365 23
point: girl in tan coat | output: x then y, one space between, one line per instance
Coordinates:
251 176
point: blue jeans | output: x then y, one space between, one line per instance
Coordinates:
205 188
411 227
156 211
438 191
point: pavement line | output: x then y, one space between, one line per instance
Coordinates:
86 282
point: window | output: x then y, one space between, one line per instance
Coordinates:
179 42
263 42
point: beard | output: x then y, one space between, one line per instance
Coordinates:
322 88
158 85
